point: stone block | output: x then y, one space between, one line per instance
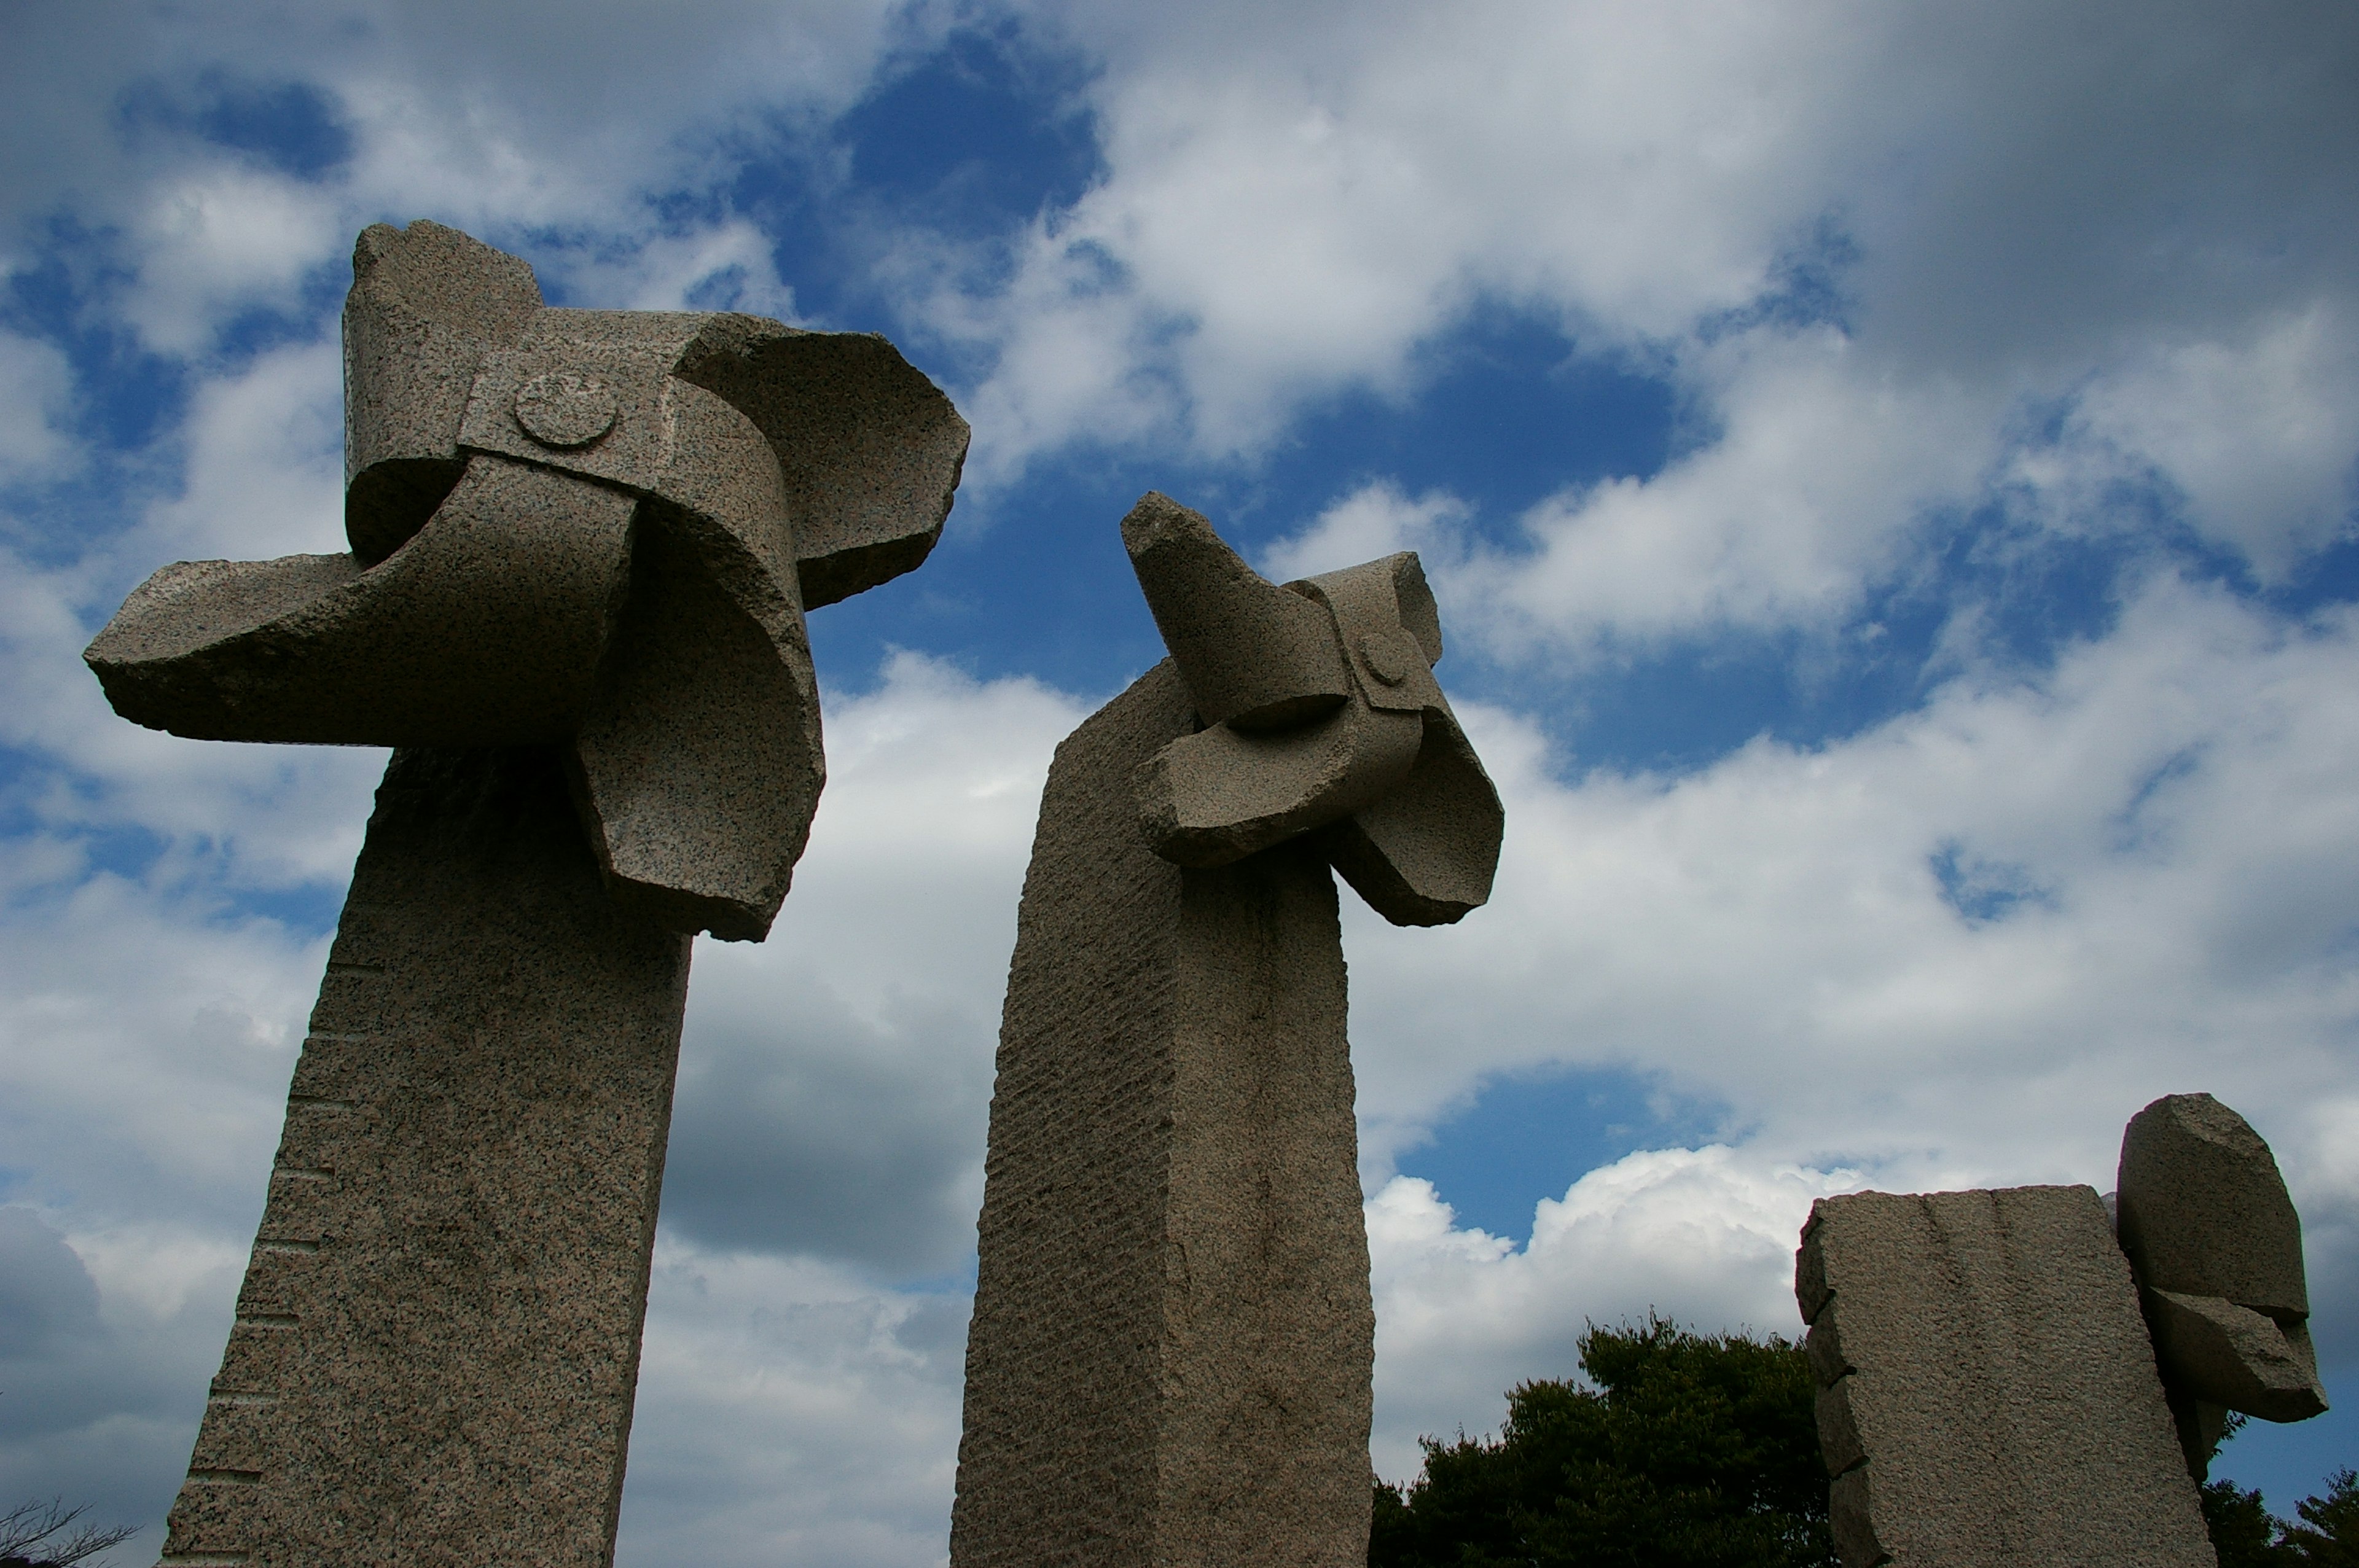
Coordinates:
1990 1396
583 544
1173 1333
2203 1210
445 1375
2214 1241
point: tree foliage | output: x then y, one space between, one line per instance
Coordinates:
2244 1534
1690 1451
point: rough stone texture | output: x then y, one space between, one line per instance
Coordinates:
438 1338
1253 655
595 526
1988 1391
2203 1209
2214 1241
583 542
1173 1337
1405 809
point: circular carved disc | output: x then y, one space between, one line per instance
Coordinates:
566 408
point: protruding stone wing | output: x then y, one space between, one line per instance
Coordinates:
1322 713
594 525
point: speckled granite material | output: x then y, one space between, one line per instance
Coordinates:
1173 1338
1171 1357
2215 1243
598 527
438 1338
1988 1394
583 544
1321 714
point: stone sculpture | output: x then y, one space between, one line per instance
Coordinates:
583 544
1173 1338
1988 1380
2216 1246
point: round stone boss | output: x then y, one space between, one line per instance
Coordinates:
1388 655
566 407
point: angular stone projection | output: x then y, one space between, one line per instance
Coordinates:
1988 1395
583 544
2214 1241
1173 1338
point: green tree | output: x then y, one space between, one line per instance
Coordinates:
1690 1451
2244 1532
2328 1536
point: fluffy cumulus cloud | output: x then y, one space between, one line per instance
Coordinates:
1706 1235
2030 328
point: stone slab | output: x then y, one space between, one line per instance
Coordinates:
437 1342
1989 1396
1173 1338
2204 1211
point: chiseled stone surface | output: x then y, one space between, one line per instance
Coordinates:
1173 1337
583 544
2215 1244
599 527
438 1339
1171 1357
1988 1393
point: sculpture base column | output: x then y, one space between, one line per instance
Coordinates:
438 1340
1173 1339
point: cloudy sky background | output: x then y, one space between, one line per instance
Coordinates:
1890 477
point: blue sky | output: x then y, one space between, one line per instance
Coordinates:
1890 477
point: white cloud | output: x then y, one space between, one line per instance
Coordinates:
847 1060
1814 489
792 1411
1771 933
2006 210
216 239
35 382
2259 432
1705 1235
1374 520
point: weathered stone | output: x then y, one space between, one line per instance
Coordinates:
495 568
1253 654
2214 1241
436 1351
2203 1210
1990 1396
1172 1344
1404 809
1173 1335
583 544
2213 1350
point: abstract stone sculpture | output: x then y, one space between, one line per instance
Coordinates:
1988 1381
1988 1396
583 544
2214 1240
1173 1338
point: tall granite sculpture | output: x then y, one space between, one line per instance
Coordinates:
1988 1360
583 544
1173 1337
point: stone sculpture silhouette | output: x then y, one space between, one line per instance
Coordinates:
1988 1381
583 544
1173 1339
2215 1244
